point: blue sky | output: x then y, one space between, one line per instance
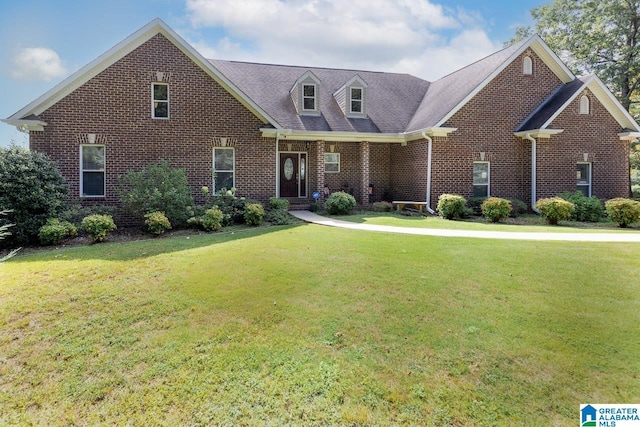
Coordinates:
43 41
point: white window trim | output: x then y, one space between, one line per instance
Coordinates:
103 170
488 177
361 100
331 163
233 171
153 101
527 66
589 185
585 104
314 97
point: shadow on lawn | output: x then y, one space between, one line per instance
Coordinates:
126 250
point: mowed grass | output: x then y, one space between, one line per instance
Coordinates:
309 325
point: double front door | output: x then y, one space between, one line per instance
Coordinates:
293 174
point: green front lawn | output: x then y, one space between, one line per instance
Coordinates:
310 325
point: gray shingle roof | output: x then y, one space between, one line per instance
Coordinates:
551 105
396 103
391 101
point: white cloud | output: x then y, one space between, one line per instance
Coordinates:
413 36
36 64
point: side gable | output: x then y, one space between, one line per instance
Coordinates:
542 118
26 118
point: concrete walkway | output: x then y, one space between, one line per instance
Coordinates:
515 235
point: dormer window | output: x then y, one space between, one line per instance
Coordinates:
584 104
352 98
309 97
356 100
527 66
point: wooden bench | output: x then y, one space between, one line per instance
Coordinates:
400 204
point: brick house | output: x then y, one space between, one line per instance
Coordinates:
515 124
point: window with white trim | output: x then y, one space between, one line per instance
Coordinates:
223 168
527 66
583 178
160 100
356 99
309 100
332 162
481 179
584 104
92 171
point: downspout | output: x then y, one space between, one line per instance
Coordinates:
533 172
428 199
277 163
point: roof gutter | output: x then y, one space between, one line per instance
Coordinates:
429 151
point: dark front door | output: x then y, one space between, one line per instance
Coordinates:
288 174
293 174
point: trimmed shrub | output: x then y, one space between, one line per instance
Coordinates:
32 190
382 207
340 203
475 204
157 223
278 217
253 214
451 206
98 227
55 231
232 207
496 209
276 203
212 219
588 209
623 211
518 207
554 209
156 188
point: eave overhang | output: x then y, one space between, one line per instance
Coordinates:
390 138
629 136
26 125
538 133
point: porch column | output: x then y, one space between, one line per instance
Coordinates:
319 167
364 173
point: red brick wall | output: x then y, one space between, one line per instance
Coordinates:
116 105
486 125
594 134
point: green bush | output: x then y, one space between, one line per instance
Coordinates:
212 219
496 209
475 203
278 217
518 207
73 212
32 189
635 191
588 209
382 206
55 231
276 203
253 214
157 223
156 188
623 211
98 227
554 209
451 206
232 207
340 203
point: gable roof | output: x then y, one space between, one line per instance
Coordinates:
27 116
543 116
399 107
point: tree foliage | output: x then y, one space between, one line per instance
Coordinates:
601 37
32 188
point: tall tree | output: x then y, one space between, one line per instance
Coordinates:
601 36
